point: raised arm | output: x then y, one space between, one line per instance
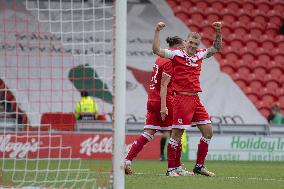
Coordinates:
156 41
218 40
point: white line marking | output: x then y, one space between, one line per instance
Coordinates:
237 178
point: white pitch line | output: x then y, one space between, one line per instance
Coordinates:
240 178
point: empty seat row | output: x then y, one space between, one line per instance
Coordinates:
252 52
263 5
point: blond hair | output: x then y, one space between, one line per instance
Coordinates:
194 35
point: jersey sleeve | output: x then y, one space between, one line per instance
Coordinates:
167 69
171 53
202 53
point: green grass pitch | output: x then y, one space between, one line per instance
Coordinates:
229 175
147 174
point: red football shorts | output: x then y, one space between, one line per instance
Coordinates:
153 117
187 111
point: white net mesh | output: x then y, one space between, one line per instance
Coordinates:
50 51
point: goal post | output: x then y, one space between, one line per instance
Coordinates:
120 91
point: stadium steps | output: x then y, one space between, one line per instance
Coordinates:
254 53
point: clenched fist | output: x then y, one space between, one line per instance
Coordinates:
160 26
217 25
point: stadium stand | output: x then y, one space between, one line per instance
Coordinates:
253 54
9 109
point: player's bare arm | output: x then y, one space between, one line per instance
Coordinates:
163 94
218 40
156 41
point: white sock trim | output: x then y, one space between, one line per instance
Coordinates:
173 142
206 140
147 136
127 162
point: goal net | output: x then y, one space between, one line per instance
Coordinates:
51 51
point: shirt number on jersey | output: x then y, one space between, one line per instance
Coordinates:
154 76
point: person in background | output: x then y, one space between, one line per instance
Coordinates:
87 108
275 117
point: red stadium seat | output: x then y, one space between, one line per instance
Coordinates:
248 58
260 51
272 32
233 6
281 46
248 90
275 73
235 76
59 121
232 56
279 58
252 44
253 97
217 6
243 71
241 31
213 17
264 58
187 4
265 111
256 33
260 71
269 45
255 85
228 69
226 31
245 19
251 77
194 28
259 104
238 64
278 7
241 83
197 17
272 86
272 26
182 16
260 19
207 42
229 18
275 20
236 44
279 92
202 5
263 7
281 101
248 7
266 37
209 30
279 38
218 56
268 99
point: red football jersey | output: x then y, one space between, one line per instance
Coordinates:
161 66
186 69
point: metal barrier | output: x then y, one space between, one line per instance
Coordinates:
220 129
136 128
